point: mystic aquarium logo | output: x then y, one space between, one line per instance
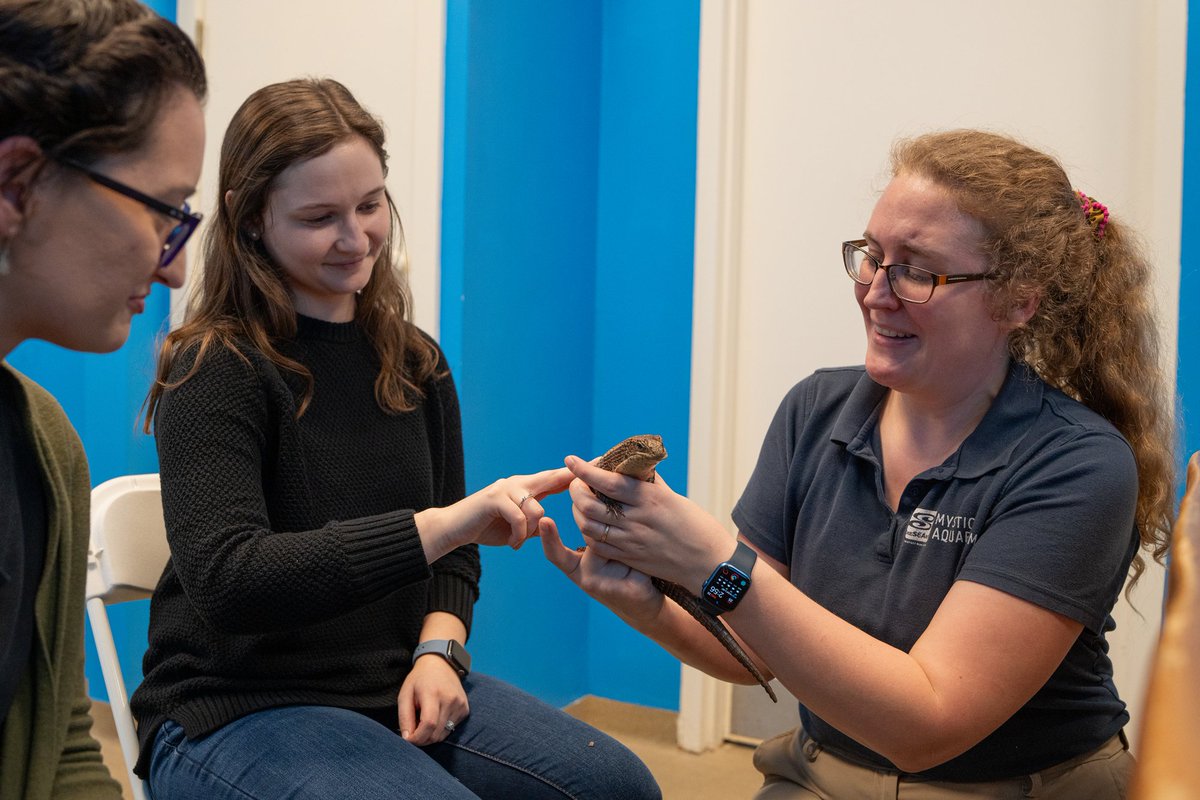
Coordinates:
926 525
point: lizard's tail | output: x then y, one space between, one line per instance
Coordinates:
714 626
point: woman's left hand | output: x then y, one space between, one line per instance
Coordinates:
431 697
658 532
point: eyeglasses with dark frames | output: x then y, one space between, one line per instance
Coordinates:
911 284
187 219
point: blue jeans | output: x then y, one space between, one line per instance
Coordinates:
511 745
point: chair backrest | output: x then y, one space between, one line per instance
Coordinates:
126 557
129 539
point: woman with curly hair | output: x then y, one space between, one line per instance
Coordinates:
931 544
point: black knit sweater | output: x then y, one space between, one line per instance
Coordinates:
296 573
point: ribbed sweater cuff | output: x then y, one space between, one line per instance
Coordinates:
454 595
383 553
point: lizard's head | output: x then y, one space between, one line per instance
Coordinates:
636 456
641 454
647 446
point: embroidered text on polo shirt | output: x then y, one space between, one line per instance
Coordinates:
926 524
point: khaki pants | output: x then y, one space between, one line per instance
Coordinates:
797 768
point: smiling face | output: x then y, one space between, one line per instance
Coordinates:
951 347
325 223
83 258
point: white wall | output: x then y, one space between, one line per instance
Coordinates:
389 54
799 102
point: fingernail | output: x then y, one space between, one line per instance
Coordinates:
404 734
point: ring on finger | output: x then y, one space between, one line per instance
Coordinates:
450 725
604 533
524 497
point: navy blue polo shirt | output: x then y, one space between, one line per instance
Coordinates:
1038 502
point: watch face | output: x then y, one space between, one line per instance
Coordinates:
459 657
726 587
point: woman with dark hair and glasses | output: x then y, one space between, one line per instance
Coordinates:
101 138
931 544
308 637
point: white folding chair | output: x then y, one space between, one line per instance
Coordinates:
125 560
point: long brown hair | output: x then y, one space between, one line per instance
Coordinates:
1095 335
243 297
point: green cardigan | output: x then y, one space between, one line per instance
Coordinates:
46 746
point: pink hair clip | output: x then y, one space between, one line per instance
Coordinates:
1095 212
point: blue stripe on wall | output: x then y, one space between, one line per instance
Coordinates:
645 243
1189 278
518 260
566 268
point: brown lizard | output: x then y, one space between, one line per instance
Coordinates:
637 457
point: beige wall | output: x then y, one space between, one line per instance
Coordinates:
799 101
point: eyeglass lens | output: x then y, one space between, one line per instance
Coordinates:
176 239
908 283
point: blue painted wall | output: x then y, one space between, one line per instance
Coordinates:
643 297
518 260
1189 282
566 267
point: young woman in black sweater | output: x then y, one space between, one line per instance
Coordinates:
306 638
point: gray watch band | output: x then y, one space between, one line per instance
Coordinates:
455 654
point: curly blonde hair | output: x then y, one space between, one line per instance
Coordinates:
1095 333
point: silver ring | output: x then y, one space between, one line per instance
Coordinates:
524 497
604 534
450 725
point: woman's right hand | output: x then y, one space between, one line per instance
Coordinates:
506 512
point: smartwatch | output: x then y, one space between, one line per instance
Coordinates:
729 582
455 654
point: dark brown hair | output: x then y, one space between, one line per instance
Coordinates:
86 78
243 298
1095 335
